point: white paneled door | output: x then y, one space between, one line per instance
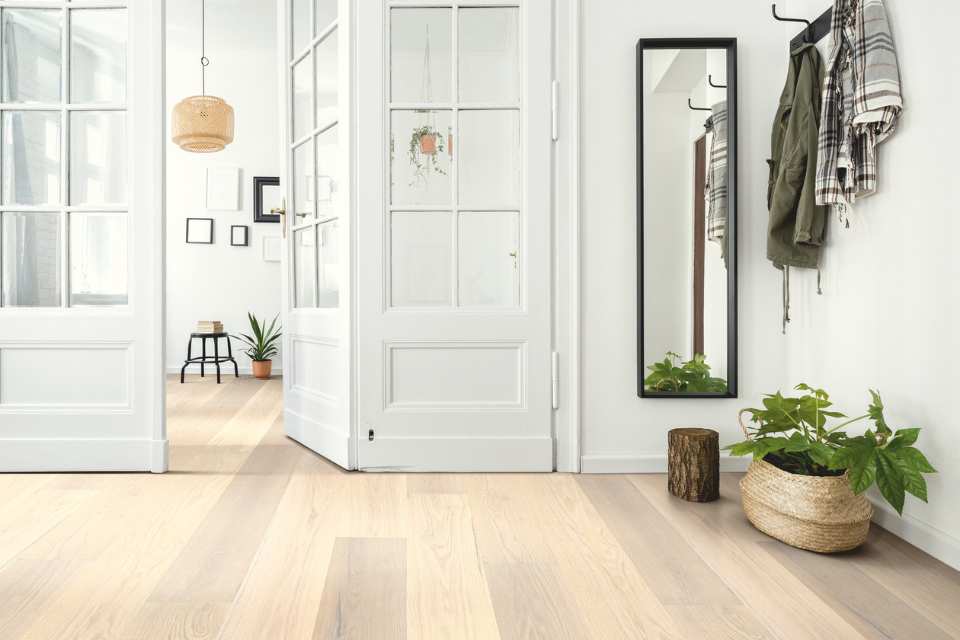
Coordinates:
81 219
454 272
316 300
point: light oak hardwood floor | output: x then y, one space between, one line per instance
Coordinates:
252 536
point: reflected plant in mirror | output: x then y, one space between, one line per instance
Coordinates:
692 376
686 225
425 144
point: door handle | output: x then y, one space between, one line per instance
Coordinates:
282 212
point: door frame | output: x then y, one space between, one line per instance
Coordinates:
565 219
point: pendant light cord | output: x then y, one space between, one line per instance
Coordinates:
204 61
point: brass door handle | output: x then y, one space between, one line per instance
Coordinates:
282 212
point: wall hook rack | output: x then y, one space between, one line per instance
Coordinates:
813 32
693 108
715 86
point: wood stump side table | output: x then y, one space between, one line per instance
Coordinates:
204 359
693 464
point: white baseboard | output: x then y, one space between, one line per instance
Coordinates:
62 455
939 544
647 463
334 444
224 369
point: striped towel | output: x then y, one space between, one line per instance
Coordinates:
862 101
716 186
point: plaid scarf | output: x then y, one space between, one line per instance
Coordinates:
861 101
716 186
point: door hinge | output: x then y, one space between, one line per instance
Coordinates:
554 107
555 379
370 435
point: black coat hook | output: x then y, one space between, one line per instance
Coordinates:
693 108
715 86
807 37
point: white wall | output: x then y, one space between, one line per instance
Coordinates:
888 316
220 281
620 430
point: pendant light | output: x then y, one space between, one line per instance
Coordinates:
202 124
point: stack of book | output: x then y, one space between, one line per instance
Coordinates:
209 326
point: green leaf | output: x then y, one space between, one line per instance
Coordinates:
821 454
914 482
875 411
741 448
797 443
862 473
890 480
904 438
916 460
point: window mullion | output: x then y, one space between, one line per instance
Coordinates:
65 159
454 172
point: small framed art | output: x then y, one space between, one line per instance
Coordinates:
267 195
238 235
199 230
271 249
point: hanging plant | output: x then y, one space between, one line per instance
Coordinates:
426 145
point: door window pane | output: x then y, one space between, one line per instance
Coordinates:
31 157
30 255
98 157
301 25
98 55
489 161
304 183
489 260
421 250
325 13
98 259
302 97
421 54
31 55
326 53
328 281
420 151
305 266
327 175
489 60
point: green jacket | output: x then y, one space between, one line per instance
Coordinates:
797 225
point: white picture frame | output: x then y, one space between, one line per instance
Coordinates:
271 249
223 189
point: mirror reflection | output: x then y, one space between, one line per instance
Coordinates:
685 221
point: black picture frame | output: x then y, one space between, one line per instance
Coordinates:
246 235
209 234
730 45
259 182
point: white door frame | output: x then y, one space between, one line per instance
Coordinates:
565 223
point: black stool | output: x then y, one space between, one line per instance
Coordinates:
204 359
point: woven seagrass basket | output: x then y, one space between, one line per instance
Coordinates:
816 513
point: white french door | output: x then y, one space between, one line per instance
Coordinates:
454 262
81 220
316 299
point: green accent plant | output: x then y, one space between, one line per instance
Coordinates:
692 376
422 162
263 344
792 434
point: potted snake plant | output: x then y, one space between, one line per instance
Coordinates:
263 345
806 482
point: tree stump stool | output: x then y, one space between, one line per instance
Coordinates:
693 464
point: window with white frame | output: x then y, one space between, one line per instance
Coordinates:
315 147
63 154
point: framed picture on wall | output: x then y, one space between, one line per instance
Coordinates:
267 195
223 188
238 235
271 249
199 230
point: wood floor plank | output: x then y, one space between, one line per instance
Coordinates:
451 599
365 595
670 566
779 602
866 604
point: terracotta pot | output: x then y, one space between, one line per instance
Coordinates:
428 144
262 369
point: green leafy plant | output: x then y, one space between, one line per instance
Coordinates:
792 434
423 162
263 344
673 376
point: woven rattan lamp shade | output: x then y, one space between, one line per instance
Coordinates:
202 124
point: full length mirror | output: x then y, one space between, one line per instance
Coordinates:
686 223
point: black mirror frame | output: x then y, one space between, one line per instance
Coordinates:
730 45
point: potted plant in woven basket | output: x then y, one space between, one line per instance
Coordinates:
806 482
